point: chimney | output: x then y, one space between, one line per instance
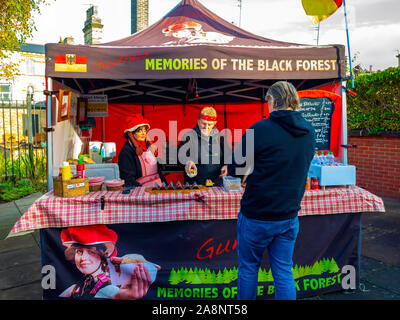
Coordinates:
68 40
139 15
398 57
93 27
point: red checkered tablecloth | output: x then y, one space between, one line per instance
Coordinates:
139 206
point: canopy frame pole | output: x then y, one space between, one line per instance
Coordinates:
49 138
234 93
111 88
348 43
344 121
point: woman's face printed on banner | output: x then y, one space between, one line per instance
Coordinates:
87 259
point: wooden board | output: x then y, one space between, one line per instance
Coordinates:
156 191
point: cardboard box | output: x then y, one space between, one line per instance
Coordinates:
70 188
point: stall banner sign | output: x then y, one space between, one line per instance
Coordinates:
198 260
97 105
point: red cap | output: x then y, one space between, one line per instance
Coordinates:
90 235
135 121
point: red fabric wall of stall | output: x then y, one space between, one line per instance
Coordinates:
238 116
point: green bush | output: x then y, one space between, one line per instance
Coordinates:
26 175
10 192
376 107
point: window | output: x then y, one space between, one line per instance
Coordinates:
30 66
4 92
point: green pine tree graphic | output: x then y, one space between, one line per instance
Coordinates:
207 276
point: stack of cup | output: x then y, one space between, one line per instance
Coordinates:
95 183
114 185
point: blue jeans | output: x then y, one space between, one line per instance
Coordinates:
253 237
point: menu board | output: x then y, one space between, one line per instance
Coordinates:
318 111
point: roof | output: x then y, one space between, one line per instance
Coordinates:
32 48
190 42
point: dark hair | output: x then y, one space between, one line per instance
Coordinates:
284 95
100 249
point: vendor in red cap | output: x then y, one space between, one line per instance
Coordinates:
89 247
137 159
202 151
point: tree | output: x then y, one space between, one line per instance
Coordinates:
16 26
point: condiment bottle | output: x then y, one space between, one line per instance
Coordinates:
66 171
80 168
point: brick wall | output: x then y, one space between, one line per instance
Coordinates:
378 164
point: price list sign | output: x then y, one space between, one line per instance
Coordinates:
318 111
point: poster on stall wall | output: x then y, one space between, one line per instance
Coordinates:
97 105
188 260
70 147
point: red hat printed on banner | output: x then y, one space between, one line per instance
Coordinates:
135 121
182 25
90 235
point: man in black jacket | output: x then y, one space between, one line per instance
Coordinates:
283 148
203 150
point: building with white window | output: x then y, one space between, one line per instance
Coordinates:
31 67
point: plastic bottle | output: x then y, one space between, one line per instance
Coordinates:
66 171
330 158
315 159
80 168
321 159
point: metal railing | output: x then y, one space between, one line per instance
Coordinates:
22 140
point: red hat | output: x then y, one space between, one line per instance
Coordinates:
90 235
182 25
135 121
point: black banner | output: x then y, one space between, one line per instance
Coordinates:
194 259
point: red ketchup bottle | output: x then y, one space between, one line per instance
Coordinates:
80 169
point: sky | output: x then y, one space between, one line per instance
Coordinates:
374 25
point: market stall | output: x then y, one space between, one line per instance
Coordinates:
167 72
192 238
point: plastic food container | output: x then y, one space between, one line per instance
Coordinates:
232 184
121 272
114 185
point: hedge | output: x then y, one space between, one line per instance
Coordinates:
376 107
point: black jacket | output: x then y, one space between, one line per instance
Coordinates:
283 148
210 149
129 165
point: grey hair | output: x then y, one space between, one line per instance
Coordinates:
285 95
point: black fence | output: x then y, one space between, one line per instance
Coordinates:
22 141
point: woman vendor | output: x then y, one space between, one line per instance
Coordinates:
137 160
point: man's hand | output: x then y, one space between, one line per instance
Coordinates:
190 165
224 171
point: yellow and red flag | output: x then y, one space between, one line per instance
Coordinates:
319 10
70 63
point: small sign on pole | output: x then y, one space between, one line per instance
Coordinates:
97 105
